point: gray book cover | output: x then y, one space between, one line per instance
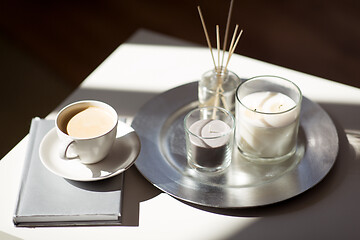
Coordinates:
46 199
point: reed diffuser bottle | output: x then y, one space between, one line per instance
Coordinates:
217 89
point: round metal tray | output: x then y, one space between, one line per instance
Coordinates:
162 159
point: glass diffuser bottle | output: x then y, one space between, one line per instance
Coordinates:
217 89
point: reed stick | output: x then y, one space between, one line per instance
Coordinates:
218 48
233 38
231 51
227 30
219 77
206 35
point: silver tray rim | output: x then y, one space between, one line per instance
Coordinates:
321 140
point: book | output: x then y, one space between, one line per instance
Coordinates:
46 199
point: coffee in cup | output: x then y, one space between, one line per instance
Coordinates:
87 130
90 122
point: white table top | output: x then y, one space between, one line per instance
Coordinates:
149 64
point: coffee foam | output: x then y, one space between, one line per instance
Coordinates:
89 123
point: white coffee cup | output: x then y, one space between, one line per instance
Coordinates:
88 149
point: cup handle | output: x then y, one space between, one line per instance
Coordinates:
64 149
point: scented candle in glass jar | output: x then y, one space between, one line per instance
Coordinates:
209 133
267 118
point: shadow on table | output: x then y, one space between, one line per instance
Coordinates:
137 190
126 103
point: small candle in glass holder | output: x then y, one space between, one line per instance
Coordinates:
209 138
267 118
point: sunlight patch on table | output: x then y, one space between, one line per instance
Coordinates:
163 207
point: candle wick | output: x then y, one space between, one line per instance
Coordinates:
211 131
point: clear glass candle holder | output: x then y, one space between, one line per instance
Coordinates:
217 89
267 118
209 133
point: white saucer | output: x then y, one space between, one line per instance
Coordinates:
123 154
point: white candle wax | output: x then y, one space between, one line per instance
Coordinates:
267 126
211 148
211 133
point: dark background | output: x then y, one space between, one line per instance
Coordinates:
48 47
